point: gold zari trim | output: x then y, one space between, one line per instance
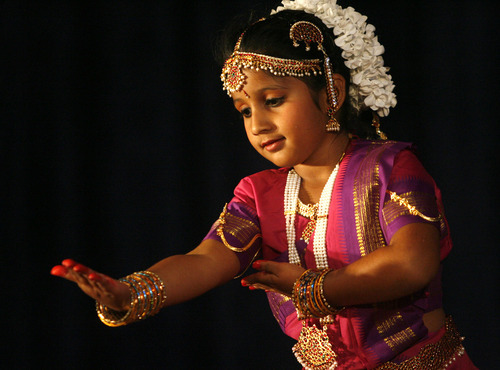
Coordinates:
238 227
432 356
366 195
412 209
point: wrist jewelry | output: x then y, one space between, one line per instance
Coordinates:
147 296
308 295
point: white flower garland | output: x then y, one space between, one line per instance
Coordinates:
371 86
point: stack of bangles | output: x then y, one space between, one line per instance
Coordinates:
147 295
308 296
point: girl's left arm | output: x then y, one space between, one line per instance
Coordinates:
406 265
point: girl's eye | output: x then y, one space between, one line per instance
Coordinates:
246 112
275 102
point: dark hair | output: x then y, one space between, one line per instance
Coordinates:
270 36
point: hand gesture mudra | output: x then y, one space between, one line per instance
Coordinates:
272 276
104 289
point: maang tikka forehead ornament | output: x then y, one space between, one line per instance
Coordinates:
233 77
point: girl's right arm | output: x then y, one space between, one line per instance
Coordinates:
185 276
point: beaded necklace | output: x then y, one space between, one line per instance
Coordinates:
290 205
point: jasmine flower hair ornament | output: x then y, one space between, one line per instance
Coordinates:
371 85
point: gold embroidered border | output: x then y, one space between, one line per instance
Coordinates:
244 230
397 339
438 355
278 301
385 325
366 203
400 338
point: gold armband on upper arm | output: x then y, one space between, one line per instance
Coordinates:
412 209
242 229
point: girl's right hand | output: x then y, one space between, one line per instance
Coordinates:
104 289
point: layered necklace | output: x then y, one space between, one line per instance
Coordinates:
291 201
313 349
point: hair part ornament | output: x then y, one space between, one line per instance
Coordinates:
310 33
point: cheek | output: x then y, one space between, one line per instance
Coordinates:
251 137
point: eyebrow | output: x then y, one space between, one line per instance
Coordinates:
266 88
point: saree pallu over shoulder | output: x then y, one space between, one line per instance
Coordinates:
357 227
357 197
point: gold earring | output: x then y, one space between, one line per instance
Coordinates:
376 124
332 125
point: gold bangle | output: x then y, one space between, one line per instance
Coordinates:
329 309
308 295
147 297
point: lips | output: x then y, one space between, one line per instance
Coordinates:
273 145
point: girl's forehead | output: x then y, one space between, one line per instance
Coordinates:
258 84
258 79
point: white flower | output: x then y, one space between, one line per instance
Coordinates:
371 86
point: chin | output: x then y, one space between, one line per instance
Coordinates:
277 159
282 162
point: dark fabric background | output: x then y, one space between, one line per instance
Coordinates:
119 148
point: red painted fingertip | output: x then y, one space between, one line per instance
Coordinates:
58 271
68 263
244 283
257 264
251 287
80 268
94 277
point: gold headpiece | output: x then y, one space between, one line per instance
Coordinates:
233 78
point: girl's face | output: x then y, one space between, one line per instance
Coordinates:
282 121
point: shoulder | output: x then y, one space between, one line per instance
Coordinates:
379 155
266 177
379 146
264 182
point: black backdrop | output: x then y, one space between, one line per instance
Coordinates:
119 148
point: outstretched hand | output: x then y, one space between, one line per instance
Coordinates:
104 289
273 276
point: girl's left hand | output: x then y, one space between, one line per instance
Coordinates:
273 276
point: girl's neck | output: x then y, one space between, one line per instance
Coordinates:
314 177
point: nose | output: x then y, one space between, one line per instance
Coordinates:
260 122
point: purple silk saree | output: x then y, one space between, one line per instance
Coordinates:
362 218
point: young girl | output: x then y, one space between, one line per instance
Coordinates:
347 236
